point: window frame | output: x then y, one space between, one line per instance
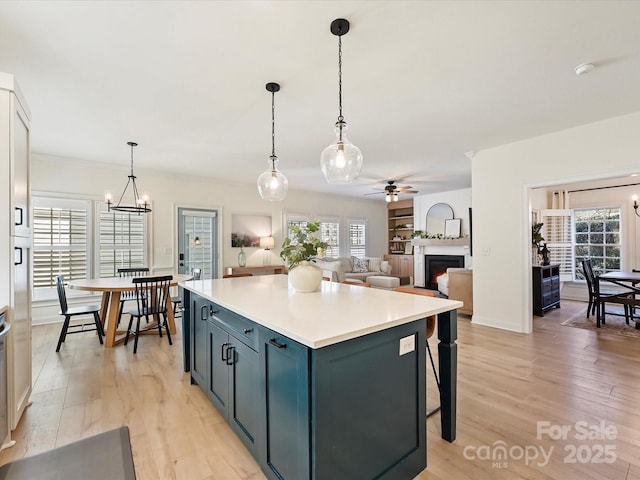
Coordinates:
619 245
46 201
334 250
357 221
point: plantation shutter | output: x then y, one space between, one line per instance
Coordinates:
330 233
121 242
357 238
59 241
558 236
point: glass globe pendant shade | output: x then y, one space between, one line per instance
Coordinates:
341 162
272 184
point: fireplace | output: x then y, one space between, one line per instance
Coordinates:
436 265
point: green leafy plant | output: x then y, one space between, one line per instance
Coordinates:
536 236
417 234
304 245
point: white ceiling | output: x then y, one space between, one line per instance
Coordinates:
423 82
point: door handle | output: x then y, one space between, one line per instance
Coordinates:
203 312
20 211
19 250
223 352
230 355
277 344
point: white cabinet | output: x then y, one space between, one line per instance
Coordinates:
16 242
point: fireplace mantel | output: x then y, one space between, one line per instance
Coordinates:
452 242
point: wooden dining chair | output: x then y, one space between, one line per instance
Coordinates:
232 275
177 300
598 298
151 296
69 312
126 296
431 327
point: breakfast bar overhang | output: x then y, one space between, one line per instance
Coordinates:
322 385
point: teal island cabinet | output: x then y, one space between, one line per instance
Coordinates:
322 385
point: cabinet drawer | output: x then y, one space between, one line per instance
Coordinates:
238 326
550 299
547 286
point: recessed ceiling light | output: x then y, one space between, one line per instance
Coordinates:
584 68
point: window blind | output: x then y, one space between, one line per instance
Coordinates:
357 238
121 242
59 245
330 233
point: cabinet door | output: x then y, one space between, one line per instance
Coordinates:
243 400
285 389
199 353
218 381
21 173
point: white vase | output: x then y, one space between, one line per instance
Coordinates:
305 277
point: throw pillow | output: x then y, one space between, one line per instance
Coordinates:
360 265
374 264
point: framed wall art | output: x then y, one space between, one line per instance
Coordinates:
246 230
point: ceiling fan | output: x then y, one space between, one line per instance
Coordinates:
391 191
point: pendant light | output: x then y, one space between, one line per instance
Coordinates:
140 204
272 184
341 162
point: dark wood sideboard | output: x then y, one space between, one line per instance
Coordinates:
546 288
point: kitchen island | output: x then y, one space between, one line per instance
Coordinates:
321 385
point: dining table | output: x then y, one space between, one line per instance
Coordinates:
629 281
112 289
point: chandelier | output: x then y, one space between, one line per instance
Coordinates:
140 204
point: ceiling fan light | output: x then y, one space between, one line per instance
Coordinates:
395 197
387 198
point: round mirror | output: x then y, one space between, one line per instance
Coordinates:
436 218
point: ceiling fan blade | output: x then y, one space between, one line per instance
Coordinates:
374 193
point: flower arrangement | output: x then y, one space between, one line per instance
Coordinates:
303 246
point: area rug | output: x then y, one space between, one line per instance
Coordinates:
615 324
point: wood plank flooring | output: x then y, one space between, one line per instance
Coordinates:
507 383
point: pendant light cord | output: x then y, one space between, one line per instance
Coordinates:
340 117
273 130
132 160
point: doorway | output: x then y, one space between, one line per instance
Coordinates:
198 241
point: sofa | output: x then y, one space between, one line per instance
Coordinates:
340 269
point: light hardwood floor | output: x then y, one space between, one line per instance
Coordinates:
507 383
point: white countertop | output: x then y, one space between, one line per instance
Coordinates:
334 314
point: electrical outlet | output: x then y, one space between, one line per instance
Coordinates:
407 344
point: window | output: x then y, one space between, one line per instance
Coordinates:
297 220
330 233
60 242
597 236
121 241
357 238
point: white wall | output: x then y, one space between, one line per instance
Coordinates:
460 201
167 192
501 181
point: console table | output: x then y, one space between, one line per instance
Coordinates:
258 269
546 288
